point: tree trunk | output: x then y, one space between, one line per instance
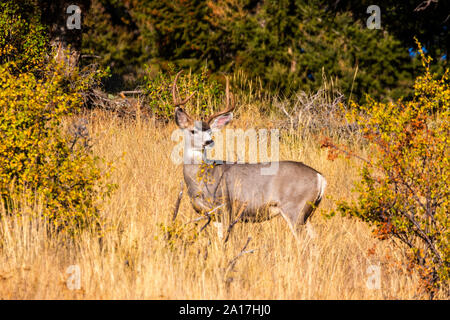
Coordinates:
65 28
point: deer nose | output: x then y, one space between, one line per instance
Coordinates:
209 143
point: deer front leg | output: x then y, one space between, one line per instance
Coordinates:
207 208
201 205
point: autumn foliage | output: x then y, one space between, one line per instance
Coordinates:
39 161
404 190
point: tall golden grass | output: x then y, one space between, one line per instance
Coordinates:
135 260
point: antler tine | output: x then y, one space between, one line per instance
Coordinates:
175 90
228 96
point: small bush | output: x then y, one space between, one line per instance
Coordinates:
23 41
404 191
36 158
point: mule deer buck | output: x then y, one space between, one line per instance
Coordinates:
293 191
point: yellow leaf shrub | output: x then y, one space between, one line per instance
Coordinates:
23 40
37 159
404 188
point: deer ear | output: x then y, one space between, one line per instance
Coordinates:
182 119
221 121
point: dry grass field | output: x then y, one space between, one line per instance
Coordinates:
134 260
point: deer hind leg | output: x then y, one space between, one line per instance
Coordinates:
310 206
288 212
296 215
305 213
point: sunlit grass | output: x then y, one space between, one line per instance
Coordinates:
134 260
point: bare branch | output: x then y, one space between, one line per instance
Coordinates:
206 216
239 216
232 263
206 224
131 92
326 143
425 4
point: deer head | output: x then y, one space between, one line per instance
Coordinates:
198 133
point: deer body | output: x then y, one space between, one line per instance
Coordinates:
292 191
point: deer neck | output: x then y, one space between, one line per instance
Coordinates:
192 159
194 156
202 179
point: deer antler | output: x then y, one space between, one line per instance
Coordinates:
229 108
176 102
